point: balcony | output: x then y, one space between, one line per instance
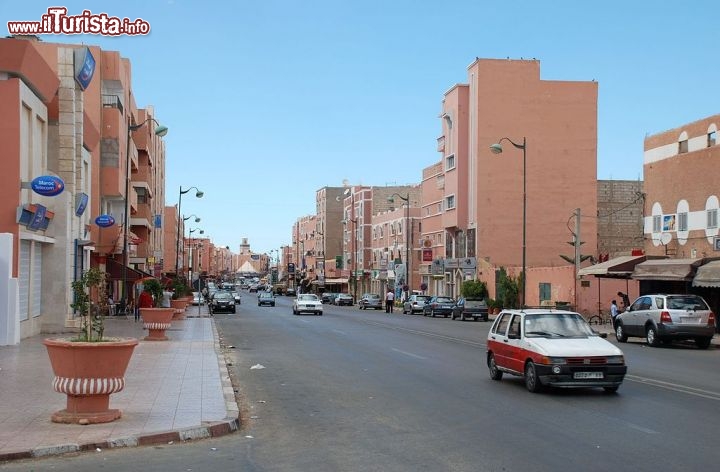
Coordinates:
113 101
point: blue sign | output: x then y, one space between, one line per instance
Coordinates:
84 67
82 201
47 185
291 268
38 218
104 221
158 221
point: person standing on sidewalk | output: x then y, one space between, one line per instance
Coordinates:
613 312
389 301
625 300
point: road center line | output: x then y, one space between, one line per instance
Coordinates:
674 387
409 354
340 332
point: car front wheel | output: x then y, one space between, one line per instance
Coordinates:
495 373
620 333
532 382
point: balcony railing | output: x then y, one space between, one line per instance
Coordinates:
112 101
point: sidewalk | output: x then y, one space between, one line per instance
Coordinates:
174 390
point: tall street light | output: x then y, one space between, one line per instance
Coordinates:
198 194
406 199
497 149
160 131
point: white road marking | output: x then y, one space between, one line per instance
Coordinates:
409 354
674 387
340 332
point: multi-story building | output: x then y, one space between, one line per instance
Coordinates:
393 234
484 211
69 113
681 211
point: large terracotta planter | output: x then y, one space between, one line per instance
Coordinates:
88 373
179 306
156 321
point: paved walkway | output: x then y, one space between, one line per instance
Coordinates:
174 390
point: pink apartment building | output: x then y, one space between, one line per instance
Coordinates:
67 111
472 211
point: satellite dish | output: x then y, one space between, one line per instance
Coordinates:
665 238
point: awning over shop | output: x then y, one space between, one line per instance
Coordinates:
667 269
708 275
620 267
115 272
334 281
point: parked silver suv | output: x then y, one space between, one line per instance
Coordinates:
664 318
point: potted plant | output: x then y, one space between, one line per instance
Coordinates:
89 367
156 318
179 297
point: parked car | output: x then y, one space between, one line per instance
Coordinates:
307 303
343 299
371 300
236 297
222 301
474 308
290 292
552 348
664 318
198 299
439 306
415 303
266 298
326 297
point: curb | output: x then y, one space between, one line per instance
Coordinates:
229 425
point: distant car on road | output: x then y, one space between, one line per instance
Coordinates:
236 296
222 301
439 306
198 299
552 348
371 300
415 303
290 292
307 303
664 318
343 299
266 298
474 308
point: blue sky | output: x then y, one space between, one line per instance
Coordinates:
269 100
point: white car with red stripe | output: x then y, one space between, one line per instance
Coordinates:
552 348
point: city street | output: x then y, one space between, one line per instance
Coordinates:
363 390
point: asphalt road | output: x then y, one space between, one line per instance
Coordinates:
365 391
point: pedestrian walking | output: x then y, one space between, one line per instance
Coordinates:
389 301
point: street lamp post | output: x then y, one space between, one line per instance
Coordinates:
497 149
160 131
198 194
408 239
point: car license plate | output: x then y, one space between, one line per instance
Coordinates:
689 320
588 375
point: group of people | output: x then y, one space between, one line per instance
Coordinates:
615 310
145 300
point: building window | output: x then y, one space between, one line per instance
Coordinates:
712 216
682 222
439 207
450 202
657 223
545 291
450 162
683 146
711 138
142 196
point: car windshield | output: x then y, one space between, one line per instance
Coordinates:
422 298
265 295
223 296
561 325
686 302
372 295
308 297
444 300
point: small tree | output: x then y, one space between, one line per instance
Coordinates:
155 288
508 289
90 301
474 289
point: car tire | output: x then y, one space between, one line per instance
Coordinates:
703 343
233 312
476 318
620 333
651 336
532 382
495 373
612 389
